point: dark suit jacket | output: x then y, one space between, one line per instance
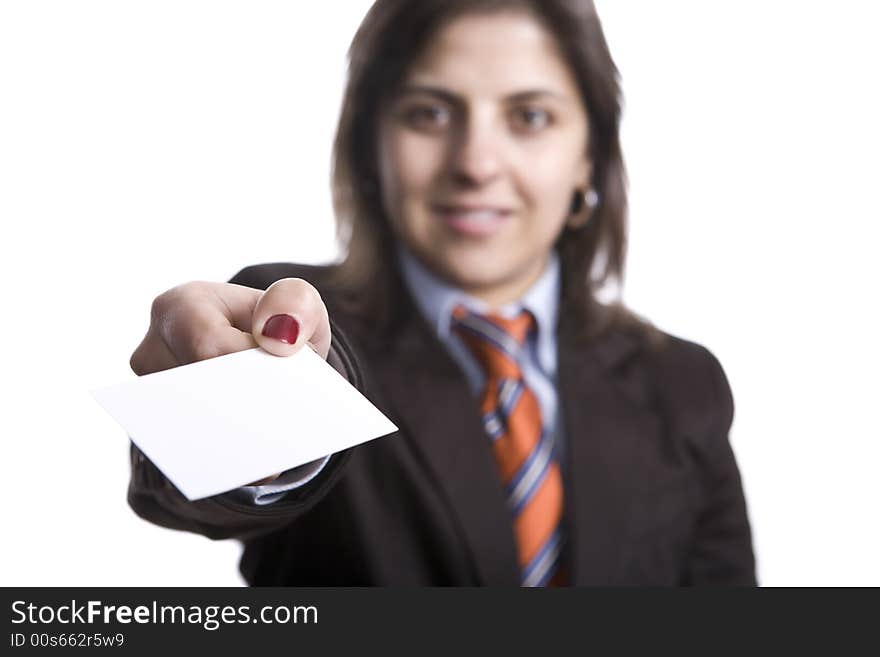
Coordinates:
652 491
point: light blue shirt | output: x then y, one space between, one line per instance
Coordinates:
435 300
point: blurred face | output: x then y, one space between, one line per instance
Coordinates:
481 152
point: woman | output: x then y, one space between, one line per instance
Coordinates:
546 438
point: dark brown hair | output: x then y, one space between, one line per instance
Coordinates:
390 38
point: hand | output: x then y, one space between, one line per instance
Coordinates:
200 320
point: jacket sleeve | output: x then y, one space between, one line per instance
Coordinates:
154 498
721 549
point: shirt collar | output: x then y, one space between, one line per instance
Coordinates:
436 299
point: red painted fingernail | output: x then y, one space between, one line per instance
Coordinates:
281 327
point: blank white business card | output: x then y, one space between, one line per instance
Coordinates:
222 423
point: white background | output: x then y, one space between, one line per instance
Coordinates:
144 144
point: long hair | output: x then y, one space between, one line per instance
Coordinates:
391 36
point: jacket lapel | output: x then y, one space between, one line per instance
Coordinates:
602 431
439 417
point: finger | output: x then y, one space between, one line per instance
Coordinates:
152 355
204 334
203 320
290 314
239 301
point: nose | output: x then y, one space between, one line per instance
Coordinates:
476 157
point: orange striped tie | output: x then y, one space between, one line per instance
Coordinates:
523 449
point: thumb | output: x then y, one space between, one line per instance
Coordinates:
289 315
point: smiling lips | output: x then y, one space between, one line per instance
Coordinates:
474 220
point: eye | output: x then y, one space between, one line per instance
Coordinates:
530 119
427 117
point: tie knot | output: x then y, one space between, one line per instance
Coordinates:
496 342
